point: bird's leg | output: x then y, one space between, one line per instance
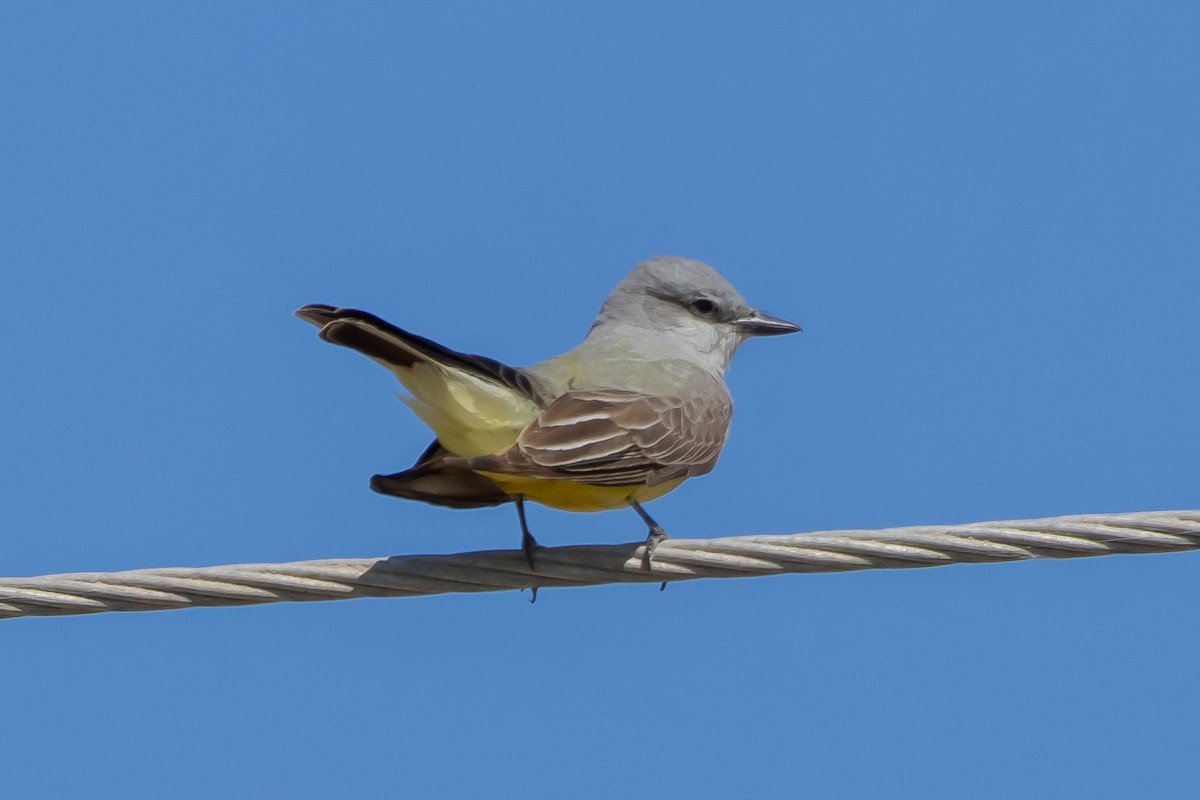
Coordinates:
654 538
528 543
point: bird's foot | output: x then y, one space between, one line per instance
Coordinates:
528 543
528 546
656 537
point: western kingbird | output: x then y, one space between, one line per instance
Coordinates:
626 416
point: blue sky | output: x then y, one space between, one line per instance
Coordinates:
984 216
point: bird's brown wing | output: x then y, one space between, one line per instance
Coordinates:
614 437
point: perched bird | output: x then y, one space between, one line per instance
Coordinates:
630 413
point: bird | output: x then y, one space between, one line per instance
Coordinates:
627 415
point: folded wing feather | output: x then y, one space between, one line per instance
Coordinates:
613 437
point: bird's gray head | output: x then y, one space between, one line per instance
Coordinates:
688 306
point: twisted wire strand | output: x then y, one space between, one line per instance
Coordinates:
675 559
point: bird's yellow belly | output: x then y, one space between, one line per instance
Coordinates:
572 496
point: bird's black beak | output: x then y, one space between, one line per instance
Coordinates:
757 323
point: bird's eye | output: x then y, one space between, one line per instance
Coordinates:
704 307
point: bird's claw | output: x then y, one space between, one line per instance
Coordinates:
656 537
528 546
